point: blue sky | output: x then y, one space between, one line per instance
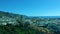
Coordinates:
31 7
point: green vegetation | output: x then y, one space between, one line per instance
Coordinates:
9 29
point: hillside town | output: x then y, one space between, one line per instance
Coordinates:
33 25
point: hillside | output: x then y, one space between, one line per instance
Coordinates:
21 24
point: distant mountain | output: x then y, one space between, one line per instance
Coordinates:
50 16
11 15
8 14
45 16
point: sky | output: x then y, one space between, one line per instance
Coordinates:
31 7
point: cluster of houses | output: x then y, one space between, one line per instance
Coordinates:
6 20
32 21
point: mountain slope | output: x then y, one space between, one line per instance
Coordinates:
20 24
